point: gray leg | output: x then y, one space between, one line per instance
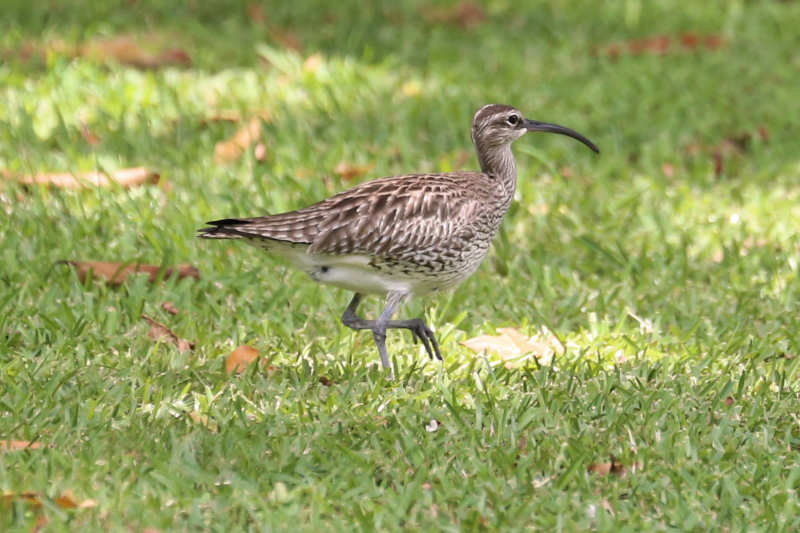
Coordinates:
378 327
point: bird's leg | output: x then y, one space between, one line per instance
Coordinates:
378 327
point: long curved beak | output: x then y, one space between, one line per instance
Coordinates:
535 125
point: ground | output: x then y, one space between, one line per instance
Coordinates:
667 268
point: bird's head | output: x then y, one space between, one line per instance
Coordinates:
496 125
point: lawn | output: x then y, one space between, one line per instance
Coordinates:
664 271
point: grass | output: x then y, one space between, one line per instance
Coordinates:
673 284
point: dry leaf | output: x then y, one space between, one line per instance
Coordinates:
89 136
233 148
41 521
729 401
125 49
312 63
204 421
325 380
16 445
613 467
256 13
467 14
116 273
347 171
30 498
170 308
511 344
66 500
160 332
662 44
240 358
260 152
227 115
124 177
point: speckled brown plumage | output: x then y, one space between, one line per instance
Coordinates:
401 235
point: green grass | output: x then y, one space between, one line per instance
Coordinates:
677 294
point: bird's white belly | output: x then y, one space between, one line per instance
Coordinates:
360 279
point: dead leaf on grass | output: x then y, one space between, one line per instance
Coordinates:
325 380
511 344
170 308
30 498
160 332
233 148
613 467
125 49
16 445
348 171
255 12
115 273
467 14
663 44
235 116
312 63
88 135
204 420
240 358
124 177
260 152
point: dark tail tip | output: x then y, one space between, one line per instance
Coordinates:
221 229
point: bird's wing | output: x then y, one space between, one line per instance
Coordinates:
393 216
384 217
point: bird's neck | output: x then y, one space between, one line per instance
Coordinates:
498 162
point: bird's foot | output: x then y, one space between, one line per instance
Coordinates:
421 332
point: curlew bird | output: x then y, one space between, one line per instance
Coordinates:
401 236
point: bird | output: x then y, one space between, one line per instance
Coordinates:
401 236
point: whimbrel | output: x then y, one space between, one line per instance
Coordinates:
401 236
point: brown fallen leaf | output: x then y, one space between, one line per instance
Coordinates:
66 500
312 63
160 332
204 421
240 358
663 44
41 521
89 136
31 498
16 445
115 273
348 171
511 344
126 50
170 308
260 152
235 116
613 467
124 177
325 380
466 14
729 401
255 12
233 148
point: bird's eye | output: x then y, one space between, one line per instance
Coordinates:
513 120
